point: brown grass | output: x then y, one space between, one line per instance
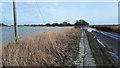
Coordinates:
114 28
110 27
38 50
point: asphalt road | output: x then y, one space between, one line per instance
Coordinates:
111 40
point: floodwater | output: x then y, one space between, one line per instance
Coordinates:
8 32
110 39
89 29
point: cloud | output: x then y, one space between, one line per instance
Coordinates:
38 16
0 12
0 7
56 4
32 4
61 0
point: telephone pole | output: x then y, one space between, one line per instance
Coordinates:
15 21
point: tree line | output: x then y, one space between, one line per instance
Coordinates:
54 24
76 24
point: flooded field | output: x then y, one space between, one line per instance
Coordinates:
8 32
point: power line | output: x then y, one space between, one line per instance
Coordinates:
40 13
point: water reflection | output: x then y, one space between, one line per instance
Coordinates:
89 29
8 32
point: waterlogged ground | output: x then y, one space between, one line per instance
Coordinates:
8 32
110 41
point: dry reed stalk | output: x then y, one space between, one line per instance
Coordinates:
38 50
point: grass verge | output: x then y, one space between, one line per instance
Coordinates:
72 51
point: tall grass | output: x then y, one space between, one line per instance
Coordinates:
38 50
107 28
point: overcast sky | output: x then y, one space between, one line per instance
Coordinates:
95 13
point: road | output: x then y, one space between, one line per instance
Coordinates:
85 56
109 40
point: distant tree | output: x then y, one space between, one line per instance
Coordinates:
55 24
48 24
81 23
3 24
65 23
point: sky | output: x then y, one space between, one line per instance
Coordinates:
95 13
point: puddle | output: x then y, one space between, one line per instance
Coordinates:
101 43
115 57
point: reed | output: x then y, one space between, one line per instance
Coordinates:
109 28
38 50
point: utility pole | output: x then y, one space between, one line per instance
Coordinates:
15 21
